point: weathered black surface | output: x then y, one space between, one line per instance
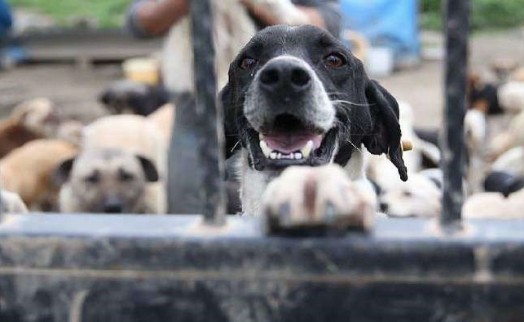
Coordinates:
210 124
144 268
184 170
196 161
457 29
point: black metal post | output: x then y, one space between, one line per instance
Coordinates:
209 114
457 29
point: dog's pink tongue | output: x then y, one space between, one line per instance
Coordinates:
291 142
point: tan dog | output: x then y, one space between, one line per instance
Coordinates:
511 97
494 205
517 75
163 120
513 137
11 203
511 161
28 171
70 131
106 181
28 121
134 134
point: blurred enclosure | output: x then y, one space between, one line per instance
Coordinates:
74 32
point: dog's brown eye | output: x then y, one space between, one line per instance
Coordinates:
248 63
335 60
93 178
125 176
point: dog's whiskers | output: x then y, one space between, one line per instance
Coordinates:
234 146
344 102
353 145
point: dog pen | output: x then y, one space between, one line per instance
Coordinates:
63 267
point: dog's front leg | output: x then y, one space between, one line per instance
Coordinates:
303 198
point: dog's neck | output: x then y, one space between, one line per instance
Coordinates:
253 183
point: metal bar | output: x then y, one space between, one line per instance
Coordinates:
195 163
209 114
184 169
457 29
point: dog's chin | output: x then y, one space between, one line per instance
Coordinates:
278 150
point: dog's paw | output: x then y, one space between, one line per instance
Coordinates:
321 198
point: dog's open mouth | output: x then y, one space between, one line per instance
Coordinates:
289 141
291 146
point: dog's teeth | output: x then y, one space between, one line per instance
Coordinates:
265 148
260 136
306 150
279 155
298 155
273 155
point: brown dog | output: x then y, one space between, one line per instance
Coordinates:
28 121
28 172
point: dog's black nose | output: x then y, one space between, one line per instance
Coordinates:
112 205
384 207
284 75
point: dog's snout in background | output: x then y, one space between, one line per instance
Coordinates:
418 197
113 204
121 167
105 181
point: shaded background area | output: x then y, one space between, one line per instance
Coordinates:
82 68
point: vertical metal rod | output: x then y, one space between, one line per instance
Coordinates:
209 114
457 30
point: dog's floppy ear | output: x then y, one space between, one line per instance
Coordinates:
62 173
225 98
149 168
386 128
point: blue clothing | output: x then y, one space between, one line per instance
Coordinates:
393 24
6 20
329 9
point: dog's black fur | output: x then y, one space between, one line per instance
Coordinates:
130 96
369 115
503 182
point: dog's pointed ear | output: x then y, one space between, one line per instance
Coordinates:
225 98
63 171
149 168
386 136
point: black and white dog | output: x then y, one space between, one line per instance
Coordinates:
296 96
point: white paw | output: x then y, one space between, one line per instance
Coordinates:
303 198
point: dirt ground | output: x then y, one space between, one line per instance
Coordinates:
75 89
422 87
